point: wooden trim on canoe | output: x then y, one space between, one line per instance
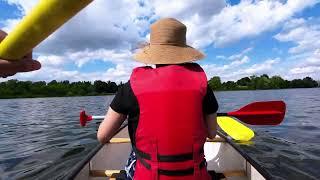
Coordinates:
127 140
119 140
239 173
216 139
103 173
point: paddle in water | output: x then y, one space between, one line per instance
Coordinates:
235 129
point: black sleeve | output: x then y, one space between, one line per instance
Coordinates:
121 103
210 104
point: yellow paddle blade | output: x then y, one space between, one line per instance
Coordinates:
235 129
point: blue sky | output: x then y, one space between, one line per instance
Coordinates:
240 38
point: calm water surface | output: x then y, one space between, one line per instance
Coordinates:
41 138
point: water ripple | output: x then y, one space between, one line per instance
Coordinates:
41 138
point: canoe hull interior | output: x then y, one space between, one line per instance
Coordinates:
221 157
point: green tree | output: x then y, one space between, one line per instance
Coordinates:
100 86
297 83
263 82
244 81
229 85
277 82
253 82
215 83
309 82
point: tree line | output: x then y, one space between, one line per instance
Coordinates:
22 89
262 82
27 89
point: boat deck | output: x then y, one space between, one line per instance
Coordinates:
221 158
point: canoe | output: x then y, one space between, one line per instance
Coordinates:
222 158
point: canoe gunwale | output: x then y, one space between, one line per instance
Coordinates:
88 158
253 163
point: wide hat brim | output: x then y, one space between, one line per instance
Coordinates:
168 54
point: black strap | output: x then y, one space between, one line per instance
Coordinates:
175 158
182 172
166 158
141 153
141 156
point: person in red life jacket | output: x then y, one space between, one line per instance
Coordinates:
10 68
170 109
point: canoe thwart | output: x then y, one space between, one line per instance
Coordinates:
104 173
237 173
216 139
119 140
127 140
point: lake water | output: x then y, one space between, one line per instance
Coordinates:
41 138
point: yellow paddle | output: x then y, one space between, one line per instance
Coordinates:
43 20
235 129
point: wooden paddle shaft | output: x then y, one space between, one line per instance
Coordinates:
42 21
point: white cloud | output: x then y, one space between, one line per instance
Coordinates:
221 57
10 24
24 5
103 24
247 19
305 34
263 68
240 55
109 30
82 57
236 57
105 31
121 24
186 9
235 70
305 70
121 72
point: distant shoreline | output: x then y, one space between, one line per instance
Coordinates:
14 89
111 94
35 97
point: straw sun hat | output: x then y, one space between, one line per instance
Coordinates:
168 44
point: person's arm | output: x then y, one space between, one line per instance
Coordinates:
10 68
210 108
117 113
211 121
110 125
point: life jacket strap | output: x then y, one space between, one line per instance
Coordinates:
180 172
142 157
166 158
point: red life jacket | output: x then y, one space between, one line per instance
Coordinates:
171 131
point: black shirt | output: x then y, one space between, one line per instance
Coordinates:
125 102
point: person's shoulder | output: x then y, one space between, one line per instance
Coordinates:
142 68
138 71
125 85
194 67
